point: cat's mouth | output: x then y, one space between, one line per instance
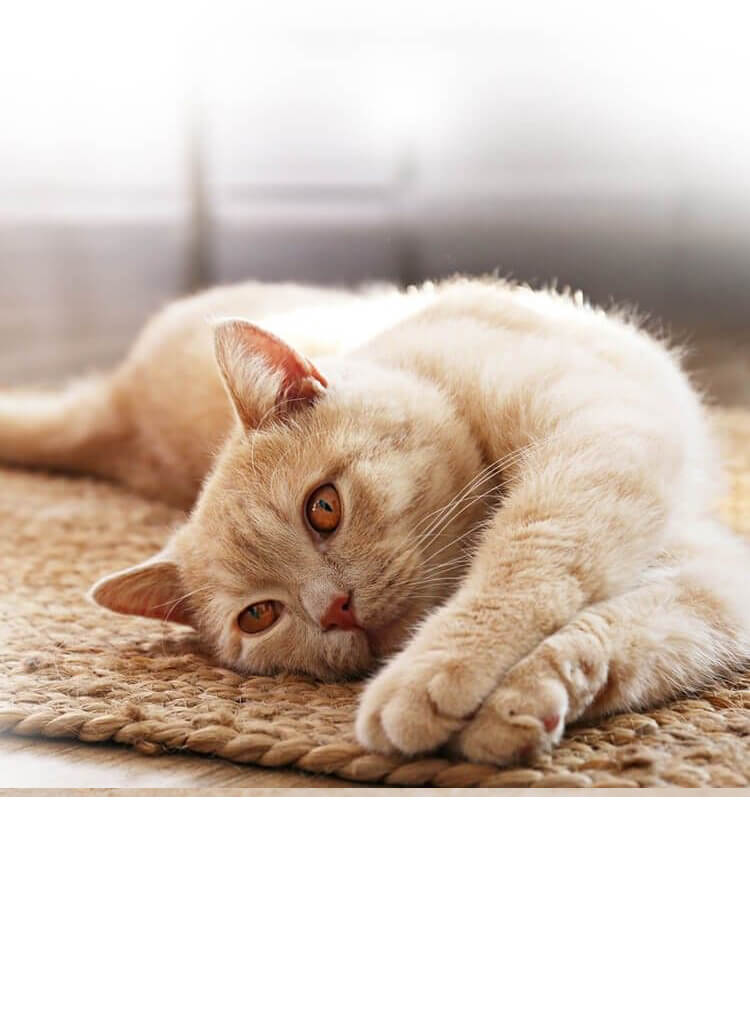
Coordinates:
381 637
365 645
364 648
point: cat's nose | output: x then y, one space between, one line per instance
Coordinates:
339 615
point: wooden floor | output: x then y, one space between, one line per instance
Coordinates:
43 763
723 367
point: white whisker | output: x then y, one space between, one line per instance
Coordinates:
172 603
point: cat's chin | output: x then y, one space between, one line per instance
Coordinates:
349 656
366 651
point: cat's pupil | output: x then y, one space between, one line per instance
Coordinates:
324 509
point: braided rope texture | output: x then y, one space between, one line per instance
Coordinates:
68 670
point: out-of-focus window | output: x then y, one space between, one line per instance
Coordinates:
175 146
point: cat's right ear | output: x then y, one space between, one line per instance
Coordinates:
264 376
151 589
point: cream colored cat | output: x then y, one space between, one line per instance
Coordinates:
503 501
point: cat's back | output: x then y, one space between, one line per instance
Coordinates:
506 353
499 332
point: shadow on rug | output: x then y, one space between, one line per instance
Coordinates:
68 670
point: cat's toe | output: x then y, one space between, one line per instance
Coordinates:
458 690
515 724
414 725
396 713
368 726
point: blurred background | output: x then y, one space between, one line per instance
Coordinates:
150 150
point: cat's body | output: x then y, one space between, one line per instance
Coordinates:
525 480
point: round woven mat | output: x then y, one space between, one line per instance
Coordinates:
70 670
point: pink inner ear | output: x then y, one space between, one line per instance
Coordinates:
295 368
151 590
298 375
261 372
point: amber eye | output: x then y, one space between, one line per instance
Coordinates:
323 509
258 617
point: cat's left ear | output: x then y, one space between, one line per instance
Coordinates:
264 376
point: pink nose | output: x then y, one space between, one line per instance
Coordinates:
339 615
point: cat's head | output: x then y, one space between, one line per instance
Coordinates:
319 539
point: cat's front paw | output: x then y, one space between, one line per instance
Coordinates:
520 719
426 693
396 712
434 693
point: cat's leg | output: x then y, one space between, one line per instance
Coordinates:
588 512
74 429
687 626
90 428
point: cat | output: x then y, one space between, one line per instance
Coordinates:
496 501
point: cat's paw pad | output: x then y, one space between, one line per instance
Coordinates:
397 714
515 723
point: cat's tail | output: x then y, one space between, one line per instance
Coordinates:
74 429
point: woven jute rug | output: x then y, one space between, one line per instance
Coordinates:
68 670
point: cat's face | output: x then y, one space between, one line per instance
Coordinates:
318 541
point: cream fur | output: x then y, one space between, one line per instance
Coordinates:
527 486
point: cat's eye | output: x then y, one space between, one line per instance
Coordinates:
258 617
323 509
